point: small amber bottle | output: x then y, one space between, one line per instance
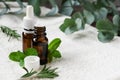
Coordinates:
27 36
40 43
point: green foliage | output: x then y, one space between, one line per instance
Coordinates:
55 8
68 25
30 51
105 36
107 30
47 72
19 56
67 8
9 32
52 47
7 8
116 21
36 6
28 74
16 56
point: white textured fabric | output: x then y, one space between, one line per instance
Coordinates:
83 56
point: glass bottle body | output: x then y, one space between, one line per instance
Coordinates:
40 43
27 39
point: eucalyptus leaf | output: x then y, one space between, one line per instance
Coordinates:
79 23
67 23
67 8
113 7
106 25
100 13
103 13
105 36
55 8
4 10
36 6
116 20
89 17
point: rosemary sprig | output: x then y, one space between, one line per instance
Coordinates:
47 73
28 74
9 32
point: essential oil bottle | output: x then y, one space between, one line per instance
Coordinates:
27 38
40 43
28 22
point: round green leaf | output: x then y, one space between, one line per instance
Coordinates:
105 36
89 17
116 20
16 56
31 51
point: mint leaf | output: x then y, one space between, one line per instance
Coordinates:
54 44
16 56
56 54
21 63
53 53
30 51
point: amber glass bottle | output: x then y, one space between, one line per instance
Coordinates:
40 43
27 36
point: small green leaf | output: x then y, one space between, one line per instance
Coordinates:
104 25
105 36
67 8
29 74
67 23
116 20
55 8
79 24
103 13
54 44
36 6
30 51
21 63
47 72
16 56
113 7
56 54
89 17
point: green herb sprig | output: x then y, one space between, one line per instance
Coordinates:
28 74
52 47
46 72
9 32
19 56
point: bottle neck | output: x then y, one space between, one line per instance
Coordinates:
28 30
